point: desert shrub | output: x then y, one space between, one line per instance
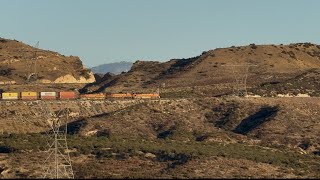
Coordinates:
307 45
5 71
305 144
253 46
317 152
201 138
167 133
6 149
85 73
103 133
310 54
292 55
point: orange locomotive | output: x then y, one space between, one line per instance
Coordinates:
146 96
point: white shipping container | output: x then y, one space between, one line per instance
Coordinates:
51 94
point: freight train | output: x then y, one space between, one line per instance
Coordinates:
69 95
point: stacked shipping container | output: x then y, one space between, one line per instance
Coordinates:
48 95
67 95
10 96
29 95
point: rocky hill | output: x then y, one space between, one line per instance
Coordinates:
114 68
21 63
273 63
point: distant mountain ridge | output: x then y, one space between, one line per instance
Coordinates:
114 68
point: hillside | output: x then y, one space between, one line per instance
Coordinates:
170 138
114 68
274 63
19 62
186 133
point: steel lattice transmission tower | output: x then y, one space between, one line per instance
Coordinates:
35 60
32 64
58 163
240 75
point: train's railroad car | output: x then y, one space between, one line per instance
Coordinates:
10 96
146 96
93 96
67 95
48 95
123 95
29 95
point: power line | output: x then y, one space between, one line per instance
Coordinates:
33 62
58 163
240 78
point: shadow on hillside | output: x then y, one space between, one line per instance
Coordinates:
75 126
72 127
173 159
6 149
255 120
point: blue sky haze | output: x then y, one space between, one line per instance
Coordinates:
104 31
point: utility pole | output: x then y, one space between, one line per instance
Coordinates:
240 78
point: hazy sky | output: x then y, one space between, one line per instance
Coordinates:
103 31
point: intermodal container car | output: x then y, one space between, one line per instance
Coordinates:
48 95
146 96
93 96
29 95
10 96
67 95
124 95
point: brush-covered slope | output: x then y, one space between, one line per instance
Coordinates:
176 138
19 62
272 63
